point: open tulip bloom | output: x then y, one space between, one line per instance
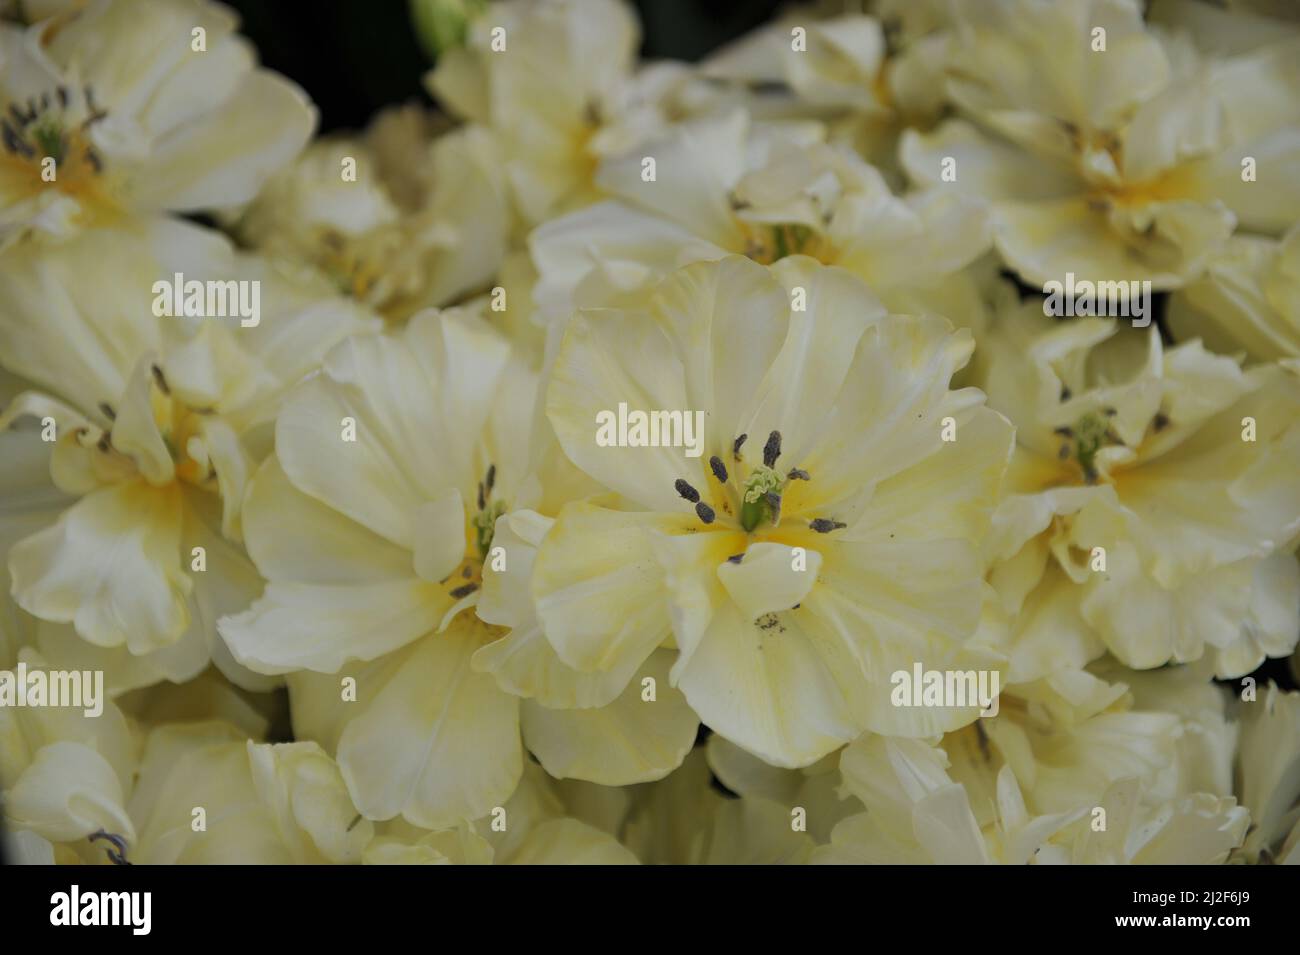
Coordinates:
877 442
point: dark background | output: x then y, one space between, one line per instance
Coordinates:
355 57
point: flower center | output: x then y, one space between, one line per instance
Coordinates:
54 127
761 497
752 499
770 243
468 576
1093 432
181 429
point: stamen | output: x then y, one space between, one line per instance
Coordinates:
686 491
482 503
15 143
161 380
719 469
735 558
108 411
799 474
774 502
464 591
117 850
823 525
491 478
704 512
736 446
772 450
1160 421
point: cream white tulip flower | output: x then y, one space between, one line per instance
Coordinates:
377 551
121 107
1067 737
725 185
824 537
397 842
868 78
1207 739
1132 162
1268 773
1236 26
917 814
686 820
1247 300
399 230
29 501
155 423
1151 505
533 827
206 794
554 82
814 789
608 728
66 773
1196 829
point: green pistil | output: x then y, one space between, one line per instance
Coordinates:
781 249
485 523
49 138
789 240
1089 437
756 508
